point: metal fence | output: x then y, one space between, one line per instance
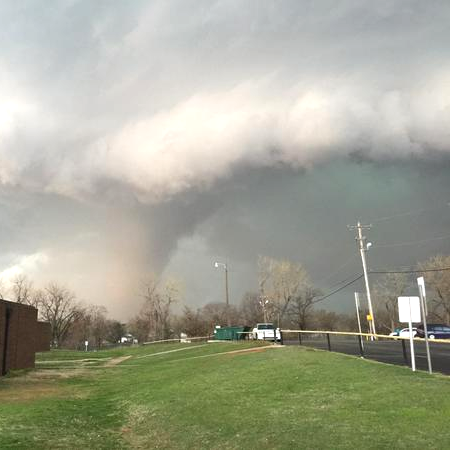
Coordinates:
387 349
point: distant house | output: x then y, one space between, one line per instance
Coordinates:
21 336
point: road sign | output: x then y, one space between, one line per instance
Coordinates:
421 283
409 309
369 317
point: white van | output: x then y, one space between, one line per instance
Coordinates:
266 332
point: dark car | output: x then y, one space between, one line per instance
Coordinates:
435 331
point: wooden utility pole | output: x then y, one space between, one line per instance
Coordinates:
363 246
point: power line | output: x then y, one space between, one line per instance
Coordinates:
340 289
400 244
438 269
340 282
410 213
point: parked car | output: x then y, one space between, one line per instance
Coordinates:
266 332
396 331
403 332
435 331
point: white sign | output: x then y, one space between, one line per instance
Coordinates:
409 309
421 283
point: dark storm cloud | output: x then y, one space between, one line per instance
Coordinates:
304 216
156 121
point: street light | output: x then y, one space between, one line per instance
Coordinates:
217 265
263 302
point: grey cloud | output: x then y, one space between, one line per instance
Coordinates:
129 127
170 96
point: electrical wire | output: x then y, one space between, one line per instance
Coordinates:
339 289
410 213
341 282
438 269
400 244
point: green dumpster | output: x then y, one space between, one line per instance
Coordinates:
230 333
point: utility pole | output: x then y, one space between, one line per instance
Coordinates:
227 298
363 246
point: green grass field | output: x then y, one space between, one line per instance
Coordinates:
194 396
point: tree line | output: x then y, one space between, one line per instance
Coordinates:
285 296
435 270
72 322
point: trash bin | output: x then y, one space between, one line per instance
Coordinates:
230 333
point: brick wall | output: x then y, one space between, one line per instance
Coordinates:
21 335
43 337
3 306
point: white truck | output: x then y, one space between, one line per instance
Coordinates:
266 332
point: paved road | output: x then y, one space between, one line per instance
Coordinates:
384 351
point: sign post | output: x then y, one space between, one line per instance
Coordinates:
421 284
359 320
423 305
409 311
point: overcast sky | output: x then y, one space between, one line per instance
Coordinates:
160 136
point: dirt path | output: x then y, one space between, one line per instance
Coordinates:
234 352
115 361
171 351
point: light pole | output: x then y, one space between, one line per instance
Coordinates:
227 299
263 302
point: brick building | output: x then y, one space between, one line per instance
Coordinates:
21 336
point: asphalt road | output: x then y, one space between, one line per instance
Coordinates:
385 351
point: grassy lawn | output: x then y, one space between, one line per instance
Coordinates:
203 396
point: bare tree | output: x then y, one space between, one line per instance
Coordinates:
438 283
216 314
252 308
22 289
154 317
302 304
330 320
386 293
114 331
281 282
326 320
193 323
98 324
140 326
59 307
